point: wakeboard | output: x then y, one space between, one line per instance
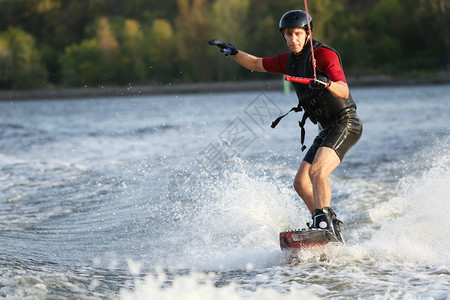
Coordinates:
304 238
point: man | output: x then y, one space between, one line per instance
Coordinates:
326 101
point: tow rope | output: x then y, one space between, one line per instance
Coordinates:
308 20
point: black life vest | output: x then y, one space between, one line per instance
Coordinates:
320 105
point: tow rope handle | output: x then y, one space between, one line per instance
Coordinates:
298 79
305 80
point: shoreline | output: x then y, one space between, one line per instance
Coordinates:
195 88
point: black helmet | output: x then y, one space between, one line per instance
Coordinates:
295 19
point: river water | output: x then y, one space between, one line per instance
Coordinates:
183 197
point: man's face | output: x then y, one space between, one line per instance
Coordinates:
295 39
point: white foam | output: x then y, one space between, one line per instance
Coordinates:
237 221
414 224
202 286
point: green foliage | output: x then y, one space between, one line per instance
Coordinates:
107 42
161 52
133 54
83 64
20 61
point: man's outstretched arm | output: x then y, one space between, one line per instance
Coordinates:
246 60
250 62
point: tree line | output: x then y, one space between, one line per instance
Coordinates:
121 42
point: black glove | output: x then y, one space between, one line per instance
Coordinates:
225 48
320 83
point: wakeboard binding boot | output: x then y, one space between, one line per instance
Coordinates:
326 219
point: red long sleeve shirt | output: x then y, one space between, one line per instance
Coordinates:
327 61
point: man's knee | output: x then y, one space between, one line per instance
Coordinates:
316 173
298 186
302 182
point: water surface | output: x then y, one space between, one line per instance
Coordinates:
175 196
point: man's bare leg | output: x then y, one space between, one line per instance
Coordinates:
303 185
325 161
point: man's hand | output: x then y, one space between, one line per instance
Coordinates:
320 83
225 48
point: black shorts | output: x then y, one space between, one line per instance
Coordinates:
340 136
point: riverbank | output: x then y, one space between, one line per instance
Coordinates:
196 88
